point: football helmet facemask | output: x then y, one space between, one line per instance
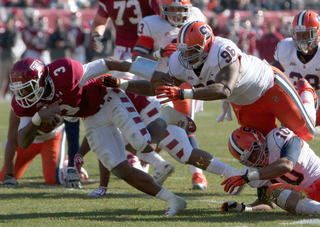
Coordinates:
28 74
306 23
180 14
194 42
243 141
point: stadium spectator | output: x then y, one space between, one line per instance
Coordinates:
60 42
10 53
268 43
282 166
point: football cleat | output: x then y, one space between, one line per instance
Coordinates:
175 205
199 181
182 120
163 172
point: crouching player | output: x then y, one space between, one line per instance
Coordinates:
282 166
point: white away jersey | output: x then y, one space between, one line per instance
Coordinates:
163 33
307 168
256 76
286 54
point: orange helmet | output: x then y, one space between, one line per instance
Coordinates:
195 35
243 141
306 21
175 18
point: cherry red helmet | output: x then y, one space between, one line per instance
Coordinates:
28 74
180 15
243 141
194 42
306 22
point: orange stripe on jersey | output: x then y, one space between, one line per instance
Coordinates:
143 46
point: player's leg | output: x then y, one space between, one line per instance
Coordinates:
295 199
53 156
106 142
187 107
287 107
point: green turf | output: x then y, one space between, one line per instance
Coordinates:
37 204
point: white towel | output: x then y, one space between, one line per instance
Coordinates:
226 112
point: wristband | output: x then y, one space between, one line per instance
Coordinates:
36 119
188 93
253 176
143 67
94 69
246 208
123 84
157 55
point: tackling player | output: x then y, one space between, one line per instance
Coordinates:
157 41
258 92
51 146
282 166
298 58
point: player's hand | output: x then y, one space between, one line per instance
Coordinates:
98 192
232 206
171 92
96 42
72 179
78 162
9 182
50 114
108 81
232 182
165 52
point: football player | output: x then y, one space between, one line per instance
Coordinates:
104 112
282 166
157 41
173 142
125 17
297 57
50 145
258 92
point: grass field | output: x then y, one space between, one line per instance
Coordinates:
37 204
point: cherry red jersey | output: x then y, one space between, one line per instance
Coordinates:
126 16
63 77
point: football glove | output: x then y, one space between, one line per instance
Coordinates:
232 206
108 81
9 181
165 52
173 93
78 162
96 42
232 182
98 192
72 179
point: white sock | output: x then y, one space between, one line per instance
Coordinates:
308 103
221 169
153 158
164 194
195 169
308 206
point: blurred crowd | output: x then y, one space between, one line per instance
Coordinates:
24 32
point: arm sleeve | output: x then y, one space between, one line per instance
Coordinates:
291 149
